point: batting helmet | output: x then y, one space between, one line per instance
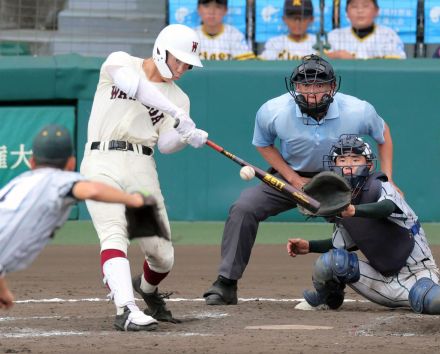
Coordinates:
351 144
182 42
313 70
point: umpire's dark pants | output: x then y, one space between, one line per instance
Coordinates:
254 205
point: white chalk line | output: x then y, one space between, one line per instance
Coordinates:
59 300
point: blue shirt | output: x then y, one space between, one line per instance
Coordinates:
303 146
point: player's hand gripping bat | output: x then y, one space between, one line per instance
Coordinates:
299 196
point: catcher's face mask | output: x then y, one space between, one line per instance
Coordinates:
351 158
313 85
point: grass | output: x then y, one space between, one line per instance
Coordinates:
210 233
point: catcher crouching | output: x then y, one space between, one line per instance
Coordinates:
399 270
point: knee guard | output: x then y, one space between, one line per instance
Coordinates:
339 265
424 297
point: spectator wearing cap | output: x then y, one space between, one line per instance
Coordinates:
364 39
36 203
297 15
220 41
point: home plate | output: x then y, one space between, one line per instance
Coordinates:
289 327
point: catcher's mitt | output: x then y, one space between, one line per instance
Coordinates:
145 221
331 190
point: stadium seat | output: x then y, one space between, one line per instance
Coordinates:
185 12
432 21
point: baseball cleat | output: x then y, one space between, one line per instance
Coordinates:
155 302
134 321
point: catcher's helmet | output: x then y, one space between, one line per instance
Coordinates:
182 42
313 70
351 144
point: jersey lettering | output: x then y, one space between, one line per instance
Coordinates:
215 56
117 93
155 115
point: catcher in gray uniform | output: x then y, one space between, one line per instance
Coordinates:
399 270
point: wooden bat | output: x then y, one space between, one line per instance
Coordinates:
299 196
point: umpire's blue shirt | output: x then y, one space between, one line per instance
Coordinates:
303 142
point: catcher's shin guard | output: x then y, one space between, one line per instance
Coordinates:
424 297
222 292
330 294
337 264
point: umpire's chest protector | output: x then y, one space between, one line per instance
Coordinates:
385 244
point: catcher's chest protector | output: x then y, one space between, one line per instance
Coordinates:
385 244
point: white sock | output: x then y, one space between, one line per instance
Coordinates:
146 286
117 276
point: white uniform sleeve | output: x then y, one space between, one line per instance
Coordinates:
134 85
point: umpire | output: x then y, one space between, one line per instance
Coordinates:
307 121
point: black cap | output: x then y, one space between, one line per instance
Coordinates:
303 8
52 145
221 2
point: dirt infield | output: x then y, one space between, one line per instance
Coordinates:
68 312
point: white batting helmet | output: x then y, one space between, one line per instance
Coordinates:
182 42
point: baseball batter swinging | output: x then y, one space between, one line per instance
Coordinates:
399 270
134 109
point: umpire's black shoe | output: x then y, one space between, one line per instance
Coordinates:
134 321
222 292
155 301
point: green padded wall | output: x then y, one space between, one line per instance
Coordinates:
201 184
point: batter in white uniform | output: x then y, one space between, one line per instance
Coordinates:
399 270
134 109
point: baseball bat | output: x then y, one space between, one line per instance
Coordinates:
299 196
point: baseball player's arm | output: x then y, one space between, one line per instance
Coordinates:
378 210
296 246
6 297
274 158
101 192
137 86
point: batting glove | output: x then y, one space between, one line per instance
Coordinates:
186 124
196 138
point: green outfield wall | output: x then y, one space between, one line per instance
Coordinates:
201 184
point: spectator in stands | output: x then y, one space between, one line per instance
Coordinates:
436 53
364 39
297 15
220 41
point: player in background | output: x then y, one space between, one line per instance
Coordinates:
364 39
38 202
134 109
298 15
400 270
304 122
220 41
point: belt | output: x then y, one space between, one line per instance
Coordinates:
416 228
123 146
